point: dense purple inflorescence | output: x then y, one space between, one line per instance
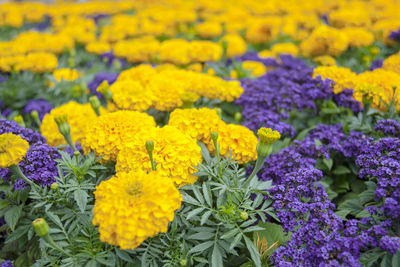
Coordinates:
40 105
388 127
98 79
395 35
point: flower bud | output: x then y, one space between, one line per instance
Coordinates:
35 115
54 186
104 89
41 227
63 125
238 116
183 262
219 111
266 138
149 146
244 215
214 137
95 103
20 120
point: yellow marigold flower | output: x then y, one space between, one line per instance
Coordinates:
175 51
202 51
79 115
392 63
358 36
325 60
197 123
131 95
238 140
175 155
196 67
350 17
166 91
41 62
325 40
12 149
343 77
66 74
267 135
236 44
97 47
108 133
189 97
209 29
263 30
257 68
266 53
142 73
285 48
379 83
234 74
131 207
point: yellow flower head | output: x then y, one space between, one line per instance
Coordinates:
209 29
142 73
325 60
358 36
97 47
66 74
78 115
343 77
268 136
189 97
238 140
236 45
175 51
197 123
285 48
202 51
257 68
133 206
175 155
131 95
108 133
392 63
12 149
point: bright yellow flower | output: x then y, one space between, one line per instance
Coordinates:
236 45
267 135
79 116
131 95
392 63
108 133
209 29
343 77
325 60
66 74
238 140
257 68
175 155
175 51
285 48
142 73
358 36
131 207
12 149
97 47
202 51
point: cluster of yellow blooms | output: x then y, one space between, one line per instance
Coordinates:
77 114
12 149
165 89
35 62
378 84
199 123
133 206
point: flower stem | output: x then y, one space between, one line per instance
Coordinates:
16 169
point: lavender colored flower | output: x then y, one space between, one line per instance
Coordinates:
6 263
40 105
390 243
109 58
3 78
99 78
25 133
376 64
388 127
7 112
345 99
395 35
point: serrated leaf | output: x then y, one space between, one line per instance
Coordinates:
205 217
216 258
207 194
81 198
197 193
236 241
194 213
12 216
230 233
201 247
343 213
188 199
201 236
123 255
253 228
255 255
55 219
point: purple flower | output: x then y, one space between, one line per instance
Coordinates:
388 127
99 78
345 99
376 64
25 133
395 35
109 58
7 112
6 263
40 105
3 78
390 243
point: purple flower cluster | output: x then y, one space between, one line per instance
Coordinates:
388 127
6 263
395 35
267 100
98 79
376 64
39 162
345 99
40 105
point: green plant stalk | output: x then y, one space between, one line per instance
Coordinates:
68 138
16 169
260 162
47 238
153 166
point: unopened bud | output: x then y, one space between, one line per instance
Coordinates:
238 116
183 262
41 227
54 186
149 146
20 120
62 123
95 103
244 215
104 89
214 136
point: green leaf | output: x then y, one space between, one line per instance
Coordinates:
370 257
205 217
123 255
255 256
4 204
353 205
343 213
197 193
253 229
341 170
216 258
91 263
236 241
55 219
272 232
188 199
396 259
194 213
328 163
230 233
12 216
201 247
201 236
81 198
207 194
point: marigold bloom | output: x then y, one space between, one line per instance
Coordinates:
131 207
358 36
142 73
238 140
267 135
78 116
108 133
257 68
66 74
236 45
209 29
175 155
343 77
12 149
98 47
325 60
285 48
131 95
392 63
